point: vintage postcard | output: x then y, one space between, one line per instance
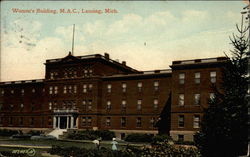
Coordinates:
105 75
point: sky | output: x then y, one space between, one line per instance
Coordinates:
148 35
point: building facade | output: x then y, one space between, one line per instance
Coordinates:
96 92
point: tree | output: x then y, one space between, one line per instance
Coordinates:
224 129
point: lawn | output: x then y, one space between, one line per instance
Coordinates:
9 145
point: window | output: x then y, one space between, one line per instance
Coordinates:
139 85
51 75
213 76
196 123
84 88
2 92
124 87
197 99
11 106
11 121
139 102
181 121
55 89
85 72
123 122
50 105
90 72
21 120
152 122
12 91
124 105
69 89
83 121
181 78
50 121
84 104
21 105
197 77
108 105
50 90
90 87
32 106
181 100
33 90
75 89
156 102
108 121
90 105
75 74
109 88
156 85
89 122
65 89
32 121
55 104
211 96
180 137
138 122
22 91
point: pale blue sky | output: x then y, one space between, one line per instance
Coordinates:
171 30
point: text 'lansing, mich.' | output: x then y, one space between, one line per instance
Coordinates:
66 11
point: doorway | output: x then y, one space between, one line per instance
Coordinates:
63 122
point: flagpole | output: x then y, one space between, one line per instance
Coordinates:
73 39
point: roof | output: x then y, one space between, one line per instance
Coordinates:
22 82
141 74
198 62
70 58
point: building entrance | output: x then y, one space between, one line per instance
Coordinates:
63 122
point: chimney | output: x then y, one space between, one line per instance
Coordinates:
106 55
123 62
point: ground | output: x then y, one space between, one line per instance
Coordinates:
42 146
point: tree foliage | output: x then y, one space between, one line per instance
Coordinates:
224 126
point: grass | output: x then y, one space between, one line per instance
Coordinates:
61 143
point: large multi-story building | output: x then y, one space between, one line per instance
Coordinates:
96 92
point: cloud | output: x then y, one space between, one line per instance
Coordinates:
124 25
160 18
67 32
93 28
22 34
194 15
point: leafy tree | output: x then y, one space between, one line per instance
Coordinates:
224 128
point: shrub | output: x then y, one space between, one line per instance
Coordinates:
184 142
91 135
82 152
161 138
35 133
162 150
5 132
139 138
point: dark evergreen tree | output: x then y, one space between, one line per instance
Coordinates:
224 130
163 124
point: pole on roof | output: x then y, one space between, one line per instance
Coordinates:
73 39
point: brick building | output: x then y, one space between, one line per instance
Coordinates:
96 92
